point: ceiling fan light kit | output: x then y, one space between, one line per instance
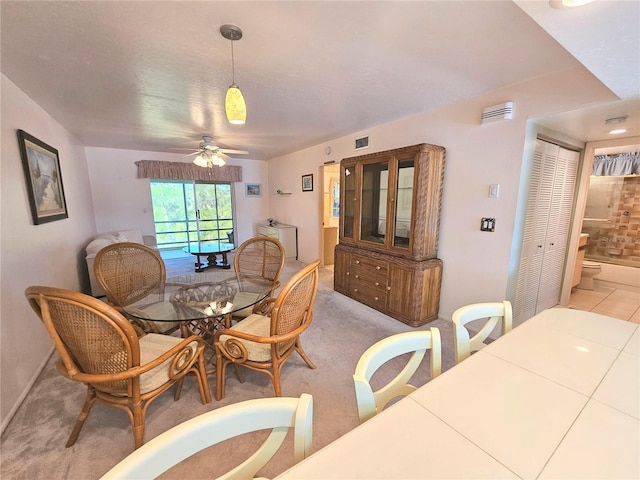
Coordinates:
209 155
206 159
235 106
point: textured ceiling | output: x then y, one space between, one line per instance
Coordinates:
151 75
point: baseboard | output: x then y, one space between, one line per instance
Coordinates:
25 392
617 286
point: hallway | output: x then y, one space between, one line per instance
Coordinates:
617 303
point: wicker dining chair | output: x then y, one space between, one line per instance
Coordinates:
99 347
262 256
265 342
128 272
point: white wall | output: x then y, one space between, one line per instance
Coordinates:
123 201
47 254
476 264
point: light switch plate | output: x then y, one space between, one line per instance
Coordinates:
494 190
488 224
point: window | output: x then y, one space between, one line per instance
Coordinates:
187 212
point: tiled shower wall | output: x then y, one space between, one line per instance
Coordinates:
612 220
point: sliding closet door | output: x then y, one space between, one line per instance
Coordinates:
549 214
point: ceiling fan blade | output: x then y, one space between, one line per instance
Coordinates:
184 149
193 153
236 152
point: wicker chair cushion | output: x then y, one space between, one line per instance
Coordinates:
244 297
152 346
256 325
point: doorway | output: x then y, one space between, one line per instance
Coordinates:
191 212
330 211
603 147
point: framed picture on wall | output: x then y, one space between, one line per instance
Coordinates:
307 183
44 180
253 189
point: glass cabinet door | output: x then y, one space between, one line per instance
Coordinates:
348 201
373 218
403 203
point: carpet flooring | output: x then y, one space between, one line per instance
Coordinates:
32 446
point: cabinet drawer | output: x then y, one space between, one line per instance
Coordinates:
373 278
269 232
365 293
369 267
368 285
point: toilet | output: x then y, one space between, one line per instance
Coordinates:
589 270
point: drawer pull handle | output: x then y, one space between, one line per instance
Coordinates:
377 267
348 273
357 276
357 261
355 289
377 284
388 288
375 298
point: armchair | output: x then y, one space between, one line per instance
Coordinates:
99 347
128 271
265 342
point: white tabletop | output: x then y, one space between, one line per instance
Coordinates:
555 398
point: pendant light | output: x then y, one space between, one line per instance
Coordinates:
234 103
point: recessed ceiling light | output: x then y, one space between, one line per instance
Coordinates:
617 131
616 120
568 3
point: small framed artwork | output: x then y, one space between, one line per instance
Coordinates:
307 183
44 180
253 189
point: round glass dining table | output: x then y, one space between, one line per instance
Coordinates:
202 303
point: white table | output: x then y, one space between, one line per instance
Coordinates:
555 398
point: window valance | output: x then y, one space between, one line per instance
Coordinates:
619 164
187 171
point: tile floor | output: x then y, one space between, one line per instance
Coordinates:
617 303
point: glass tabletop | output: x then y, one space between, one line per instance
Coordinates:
207 248
201 295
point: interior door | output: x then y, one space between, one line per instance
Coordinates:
560 214
549 212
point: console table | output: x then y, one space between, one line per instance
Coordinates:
211 251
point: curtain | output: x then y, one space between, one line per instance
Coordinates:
187 171
619 164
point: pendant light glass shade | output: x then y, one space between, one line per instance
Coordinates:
234 105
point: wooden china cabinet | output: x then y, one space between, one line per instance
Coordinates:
389 222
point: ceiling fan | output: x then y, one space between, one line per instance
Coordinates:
208 154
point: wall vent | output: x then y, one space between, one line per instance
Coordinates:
362 142
504 111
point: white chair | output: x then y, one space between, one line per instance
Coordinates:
184 440
416 343
494 312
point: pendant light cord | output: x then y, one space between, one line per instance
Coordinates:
233 66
